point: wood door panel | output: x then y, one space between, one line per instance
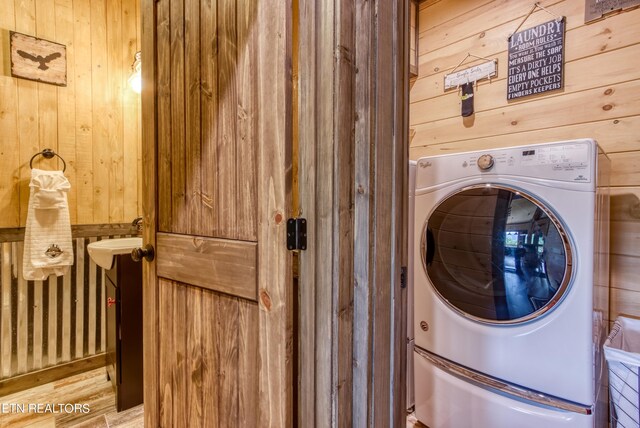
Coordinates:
192 119
227 103
166 357
226 347
193 357
215 264
247 364
246 120
163 121
177 82
207 118
213 358
218 294
209 112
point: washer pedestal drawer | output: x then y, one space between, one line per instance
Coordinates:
443 400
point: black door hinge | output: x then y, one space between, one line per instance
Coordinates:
403 277
297 234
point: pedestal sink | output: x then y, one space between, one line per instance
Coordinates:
103 252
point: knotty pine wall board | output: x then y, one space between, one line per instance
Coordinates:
93 122
580 75
600 100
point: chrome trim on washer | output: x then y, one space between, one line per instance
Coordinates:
562 288
507 388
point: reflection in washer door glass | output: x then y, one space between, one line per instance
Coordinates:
494 254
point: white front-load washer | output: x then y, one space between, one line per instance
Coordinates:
510 286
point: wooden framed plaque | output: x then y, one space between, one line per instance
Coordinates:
38 59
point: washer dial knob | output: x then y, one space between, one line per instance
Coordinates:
485 162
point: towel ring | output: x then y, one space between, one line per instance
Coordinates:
48 154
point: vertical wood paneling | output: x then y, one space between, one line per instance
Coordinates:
192 116
210 359
27 108
47 94
212 356
343 209
207 115
100 110
166 354
325 144
138 140
247 364
362 212
227 350
194 361
209 112
84 113
307 107
179 380
92 122
9 173
114 110
384 211
150 165
228 101
64 24
413 38
246 150
275 305
177 88
352 104
130 111
163 85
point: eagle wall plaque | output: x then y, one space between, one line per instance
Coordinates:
38 59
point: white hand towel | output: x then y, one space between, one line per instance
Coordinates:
47 238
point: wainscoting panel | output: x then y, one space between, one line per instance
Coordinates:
51 322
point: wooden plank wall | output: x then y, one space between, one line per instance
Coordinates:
93 122
52 322
600 99
351 98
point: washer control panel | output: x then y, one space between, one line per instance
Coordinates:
566 161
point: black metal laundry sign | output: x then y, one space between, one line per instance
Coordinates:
536 60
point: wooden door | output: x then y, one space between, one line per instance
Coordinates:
216 139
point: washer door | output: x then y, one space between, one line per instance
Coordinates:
496 254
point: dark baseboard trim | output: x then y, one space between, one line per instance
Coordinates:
51 374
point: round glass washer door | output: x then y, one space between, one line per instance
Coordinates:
496 255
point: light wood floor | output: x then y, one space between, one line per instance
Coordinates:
90 388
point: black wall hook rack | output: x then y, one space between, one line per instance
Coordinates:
48 154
